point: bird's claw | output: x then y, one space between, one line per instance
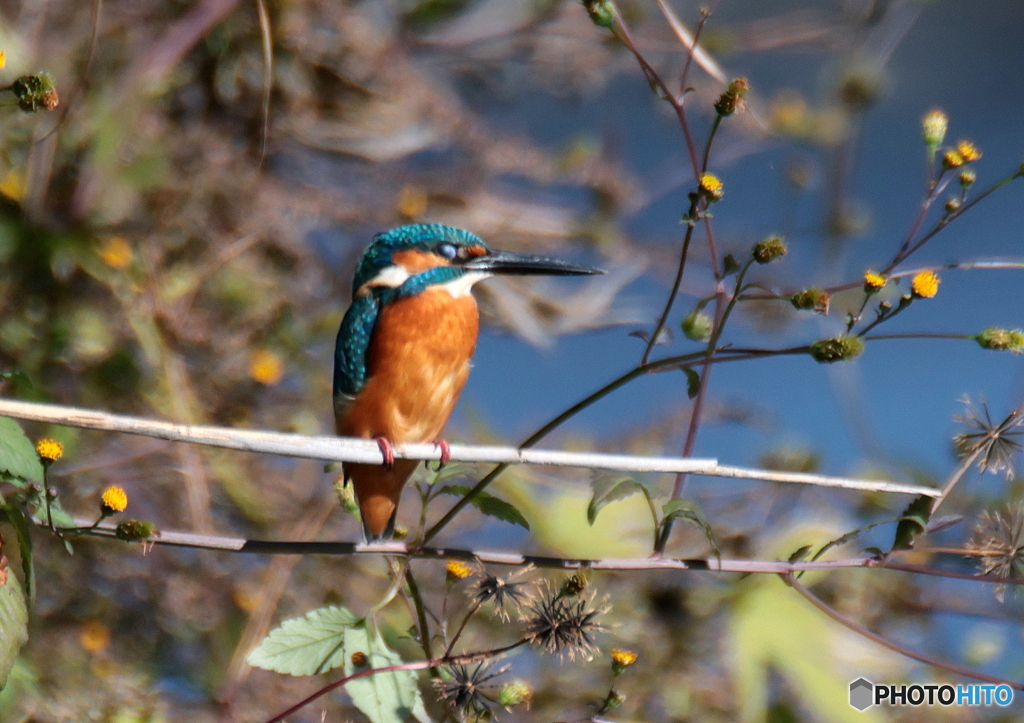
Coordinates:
446 454
387 450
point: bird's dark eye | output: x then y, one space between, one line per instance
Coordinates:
448 251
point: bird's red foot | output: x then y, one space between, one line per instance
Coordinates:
446 454
387 450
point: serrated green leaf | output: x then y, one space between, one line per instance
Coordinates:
18 456
383 697
687 511
913 522
310 645
23 530
611 489
13 624
692 382
489 505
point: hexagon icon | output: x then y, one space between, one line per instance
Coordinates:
862 694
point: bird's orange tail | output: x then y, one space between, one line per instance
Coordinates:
378 490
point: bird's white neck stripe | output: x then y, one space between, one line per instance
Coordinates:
393 277
463 285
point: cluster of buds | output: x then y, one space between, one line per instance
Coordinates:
136 531
768 249
814 299
35 92
1011 340
965 152
732 99
840 348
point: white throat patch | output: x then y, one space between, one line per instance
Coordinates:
463 285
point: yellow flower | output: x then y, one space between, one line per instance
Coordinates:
622 659
925 284
116 252
968 151
458 570
952 159
933 127
711 186
873 282
114 500
49 450
266 367
94 636
3 59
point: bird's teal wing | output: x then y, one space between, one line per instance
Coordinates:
352 344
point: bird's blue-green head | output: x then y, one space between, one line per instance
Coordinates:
411 258
407 261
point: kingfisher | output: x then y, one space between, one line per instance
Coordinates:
404 347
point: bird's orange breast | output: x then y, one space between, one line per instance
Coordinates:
417 364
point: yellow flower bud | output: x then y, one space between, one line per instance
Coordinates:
933 127
925 284
49 450
114 500
711 187
873 282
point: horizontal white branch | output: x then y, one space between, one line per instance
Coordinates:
347 449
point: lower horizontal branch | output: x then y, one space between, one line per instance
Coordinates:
490 557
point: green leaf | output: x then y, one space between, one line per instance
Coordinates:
692 382
913 522
56 512
451 470
17 378
800 554
23 529
310 645
13 624
843 539
489 505
611 489
18 456
383 697
687 511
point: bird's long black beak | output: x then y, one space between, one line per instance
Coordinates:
506 262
